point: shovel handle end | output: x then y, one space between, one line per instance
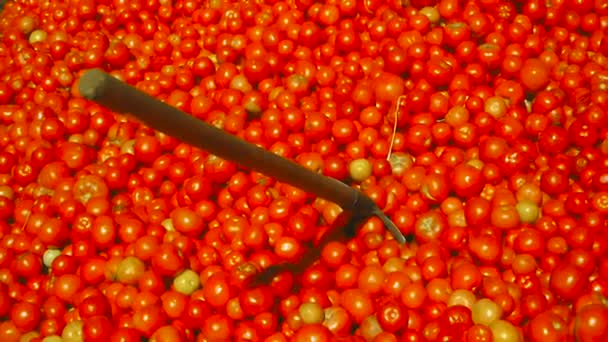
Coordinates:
93 84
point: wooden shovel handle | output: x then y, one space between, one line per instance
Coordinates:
121 97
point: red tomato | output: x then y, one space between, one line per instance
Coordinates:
388 87
338 321
216 290
312 332
94 306
168 261
257 300
466 181
534 74
195 312
217 328
567 281
590 323
479 333
430 226
357 303
392 316
547 326
187 221
97 328
25 316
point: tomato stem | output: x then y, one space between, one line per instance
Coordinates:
397 107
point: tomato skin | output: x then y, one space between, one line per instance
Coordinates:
187 221
456 332
195 311
547 327
477 211
590 323
5 300
435 188
465 276
94 306
388 88
534 74
316 332
217 290
392 316
567 281
466 181
97 328
168 261
479 333
337 321
486 248
255 301
217 328
357 303
430 226
27 265
25 316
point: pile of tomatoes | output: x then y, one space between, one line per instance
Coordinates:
479 126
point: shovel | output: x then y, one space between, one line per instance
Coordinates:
120 97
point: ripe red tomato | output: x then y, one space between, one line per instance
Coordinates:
195 312
466 181
392 316
25 316
217 327
217 290
567 281
94 306
97 328
312 332
430 226
27 265
388 87
590 323
186 221
547 326
257 300
358 304
168 261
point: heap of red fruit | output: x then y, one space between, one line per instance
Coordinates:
479 126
